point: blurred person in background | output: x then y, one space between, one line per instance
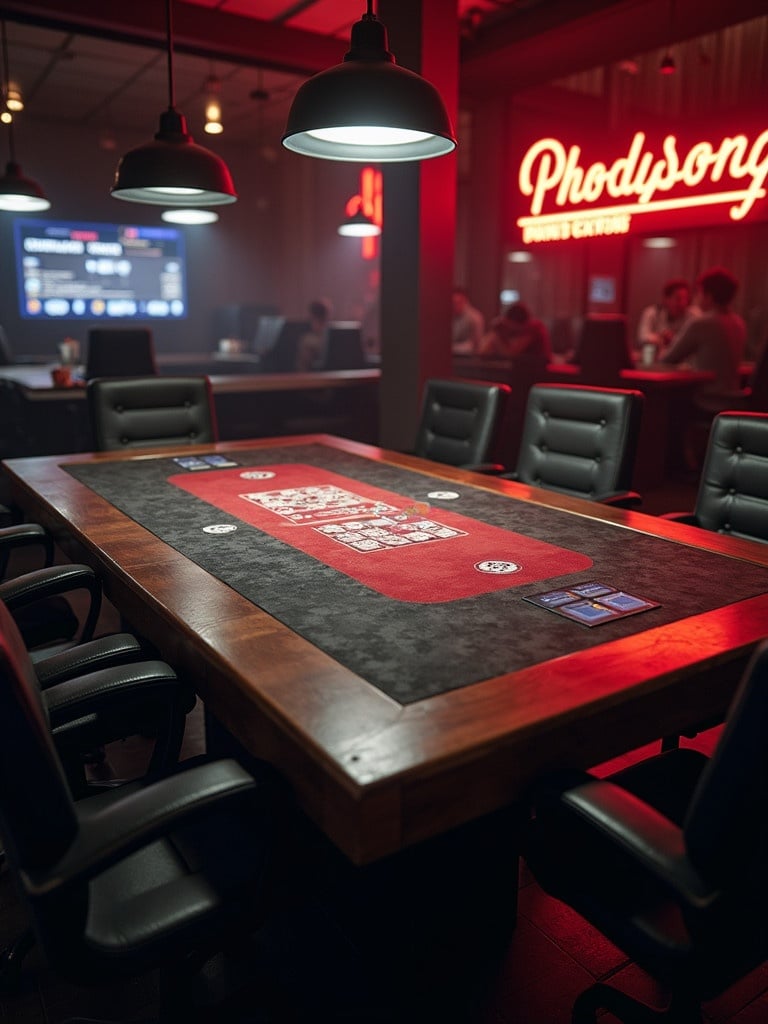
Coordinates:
716 340
313 345
519 336
661 323
468 325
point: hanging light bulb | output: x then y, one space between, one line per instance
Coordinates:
667 65
17 192
173 170
213 124
193 216
13 98
368 108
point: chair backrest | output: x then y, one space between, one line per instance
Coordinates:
37 819
141 412
345 347
603 349
281 358
579 440
267 333
15 438
726 829
120 352
459 419
733 492
6 355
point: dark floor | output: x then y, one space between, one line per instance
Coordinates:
550 957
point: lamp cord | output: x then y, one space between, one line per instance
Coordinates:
169 41
6 86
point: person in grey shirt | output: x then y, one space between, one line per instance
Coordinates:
714 341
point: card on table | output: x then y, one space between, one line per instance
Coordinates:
591 603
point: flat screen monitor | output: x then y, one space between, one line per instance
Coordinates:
81 271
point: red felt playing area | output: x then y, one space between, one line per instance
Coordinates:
399 546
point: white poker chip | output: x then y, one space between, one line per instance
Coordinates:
497 567
443 495
257 474
220 528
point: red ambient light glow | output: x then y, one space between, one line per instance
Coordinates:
370 201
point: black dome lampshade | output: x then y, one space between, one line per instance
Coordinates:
172 170
368 108
18 194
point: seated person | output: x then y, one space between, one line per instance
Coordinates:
312 350
517 335
714 341
468 325
661 323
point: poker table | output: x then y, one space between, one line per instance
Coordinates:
410 644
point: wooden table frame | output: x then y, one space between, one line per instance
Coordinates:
374 775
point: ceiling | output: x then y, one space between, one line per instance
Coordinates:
79 61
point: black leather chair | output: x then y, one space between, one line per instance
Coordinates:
267 333
459 422
581 441
42 612
142 412
733 489
345 347
602 351
131 879
6 354
120 352
281 357
669 859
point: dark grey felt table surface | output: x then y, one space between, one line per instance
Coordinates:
415 650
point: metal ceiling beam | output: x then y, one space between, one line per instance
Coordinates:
203 31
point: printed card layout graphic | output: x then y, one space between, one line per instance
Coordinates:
399 545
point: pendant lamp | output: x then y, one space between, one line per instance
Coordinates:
359 225
17 192
368 108
172 170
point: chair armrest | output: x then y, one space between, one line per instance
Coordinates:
106 652
24 535
55 579
635 828
680 517
620 499
140 818
125 688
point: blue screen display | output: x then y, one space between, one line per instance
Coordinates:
79 271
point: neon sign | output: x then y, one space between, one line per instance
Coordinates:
370 201
732 173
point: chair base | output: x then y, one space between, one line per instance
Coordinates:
681 1010
11 960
